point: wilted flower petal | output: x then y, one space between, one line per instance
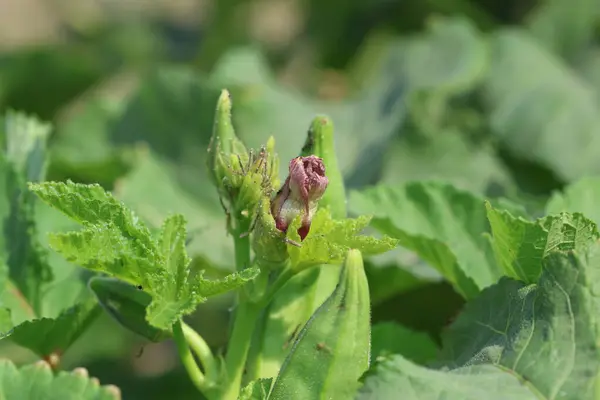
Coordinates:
300 194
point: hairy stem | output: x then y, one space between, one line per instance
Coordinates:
187 358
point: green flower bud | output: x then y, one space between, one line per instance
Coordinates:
223 143
268 242
241 176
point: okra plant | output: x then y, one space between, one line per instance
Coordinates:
529 328
145 279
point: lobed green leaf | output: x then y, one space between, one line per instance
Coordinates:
520 245
22 158
91 204
396 376
329 240
116 242
442 224
546 334
45 336
38 382
582 196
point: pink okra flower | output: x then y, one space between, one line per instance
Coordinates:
300 194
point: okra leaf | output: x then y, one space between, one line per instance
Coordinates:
23 140
92 205
392 278
103 248
445 226
582 196
329 240
45 336
22 158
546 334
565 29
457 161
389 338
531 98
207 231
396 376
332 350
520 244
38 381
127 304
6 323
116 242
182 290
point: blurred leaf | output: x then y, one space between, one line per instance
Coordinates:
398 375
387 280
520 245
457 161
37 381
545 333
564 28
45 336
23 143
24 138
581 196
89 157
389 338
450 57
5 320
55 73
172 111
332 349
589 68
127 305
442 224
68 286
533 100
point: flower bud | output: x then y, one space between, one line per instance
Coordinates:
224 143
300 193
240 175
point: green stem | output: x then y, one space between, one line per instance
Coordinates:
242 244
246 316
281 280
187 358
244 321
253 363
202 350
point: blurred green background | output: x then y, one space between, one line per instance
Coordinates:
499 97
